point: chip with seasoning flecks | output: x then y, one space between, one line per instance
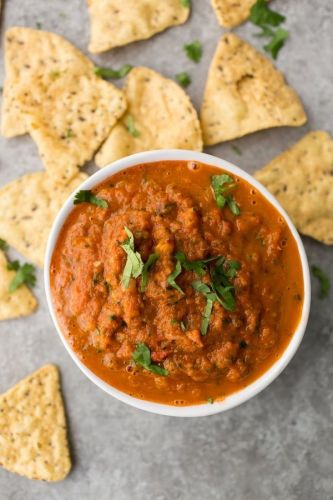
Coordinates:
160 115
231 13
28 206
52 92
115 22
244 93
33 435
21 302
301 178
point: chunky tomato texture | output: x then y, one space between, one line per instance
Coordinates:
169 207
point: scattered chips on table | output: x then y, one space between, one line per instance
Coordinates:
160 115
13 305
51 92
301 178
118 22
231 13
28 206
245 93
33 434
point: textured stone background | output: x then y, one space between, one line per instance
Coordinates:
277 446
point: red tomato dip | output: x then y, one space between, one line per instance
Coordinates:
176 282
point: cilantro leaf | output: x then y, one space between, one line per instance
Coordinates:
113 73
172 277
141 356
146 268
3 245
134 265
194 51
221 184
25 274
277 42
198 266
323 281
87 196
183 79
185 3
206 316
131 127
261 14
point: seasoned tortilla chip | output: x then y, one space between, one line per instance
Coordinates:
161 115
28 206
118 22
51 92
13 305
302 180
231 13
33 437
245 93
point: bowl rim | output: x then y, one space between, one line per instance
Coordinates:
236 398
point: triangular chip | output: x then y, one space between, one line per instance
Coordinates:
118 22
51 92
245 93
13 305
160 115
28 206
301 178
33 437
230 13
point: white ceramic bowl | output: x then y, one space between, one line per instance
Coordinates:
236 398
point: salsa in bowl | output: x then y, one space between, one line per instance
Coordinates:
177 283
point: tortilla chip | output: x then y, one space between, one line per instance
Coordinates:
19 303
33 428
301 178
51 92
245 93
231 13
28 206
115 22
162 114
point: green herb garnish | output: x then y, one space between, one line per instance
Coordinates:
172 277
236 149
222 184
87 196
210 400
25 274
113 73
277 42
323 281
198 266
183 79
185 3
134 265
141 356
261 15
3 245
146 268
206 290
194 51
131 127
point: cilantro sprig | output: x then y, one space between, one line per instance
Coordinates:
323 281
222 185
267 19
87 196
153 257
186 3
134 265
171 280
194 51
183 79
141 356
198 266
25 274
131 127
113 73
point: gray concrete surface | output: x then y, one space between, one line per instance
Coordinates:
279 446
